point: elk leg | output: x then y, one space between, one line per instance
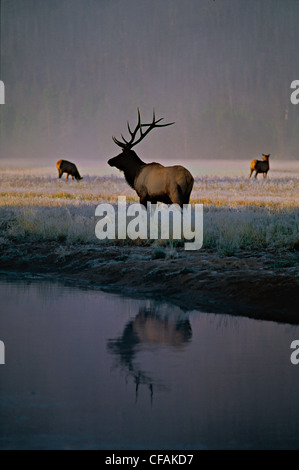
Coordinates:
143 200
177 201
177 197
255 174
251 171
67 176
187 199
59 174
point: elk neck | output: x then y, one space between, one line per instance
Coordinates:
134 166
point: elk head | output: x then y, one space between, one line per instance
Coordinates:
120 161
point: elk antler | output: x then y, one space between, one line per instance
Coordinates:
129 144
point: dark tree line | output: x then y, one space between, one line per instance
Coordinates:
76 70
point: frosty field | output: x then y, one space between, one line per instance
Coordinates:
239 213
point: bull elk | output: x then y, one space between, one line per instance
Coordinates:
152 182
260 166
63 166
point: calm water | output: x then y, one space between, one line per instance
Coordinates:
86 369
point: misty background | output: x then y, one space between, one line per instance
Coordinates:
76 70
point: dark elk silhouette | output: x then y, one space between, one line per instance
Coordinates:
260 166
63 166
152 182
148 327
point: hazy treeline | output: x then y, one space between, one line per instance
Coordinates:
76 70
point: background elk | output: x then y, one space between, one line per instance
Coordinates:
152 182
260 166
63 166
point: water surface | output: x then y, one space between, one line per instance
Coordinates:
90 370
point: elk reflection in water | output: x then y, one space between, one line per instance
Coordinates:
154 327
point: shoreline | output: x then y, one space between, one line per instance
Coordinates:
261 285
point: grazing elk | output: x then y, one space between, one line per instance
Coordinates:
260 166
63 166
152 182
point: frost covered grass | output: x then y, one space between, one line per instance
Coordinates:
239 213
30 190
236 191
249 227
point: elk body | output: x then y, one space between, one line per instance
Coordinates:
63 166
260 166
152 182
